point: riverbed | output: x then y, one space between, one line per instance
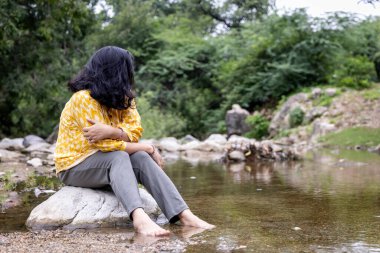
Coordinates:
329 202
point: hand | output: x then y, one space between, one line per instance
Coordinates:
98 131
157 157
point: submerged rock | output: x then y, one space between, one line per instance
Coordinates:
75 207
236 155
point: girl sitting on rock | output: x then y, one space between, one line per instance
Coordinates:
98 143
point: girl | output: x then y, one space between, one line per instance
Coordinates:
98 143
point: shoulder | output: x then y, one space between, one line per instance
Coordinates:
82 97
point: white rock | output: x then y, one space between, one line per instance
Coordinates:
321 128
12 144
197 156
7 156
316 92
210 146
32 139
188 138
41 147
169 144
236 155
190 145
35 162
149 141
50 157
75 207
217 138
331 92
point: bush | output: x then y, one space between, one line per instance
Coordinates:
355 72
296 117
158 123
259 126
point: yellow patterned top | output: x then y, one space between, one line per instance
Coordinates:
72 147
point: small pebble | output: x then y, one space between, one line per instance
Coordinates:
259 189
296 228
193 177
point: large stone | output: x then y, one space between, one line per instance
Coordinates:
217 138
235 120
190 145
314 113
75 207
210 146
35 162
169 144
188 138
40 147
316 92
9 156
32 139
331 92
236 155
321 128
54 135
12 144
197 156
280 120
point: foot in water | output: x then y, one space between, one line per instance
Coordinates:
144 225
187 218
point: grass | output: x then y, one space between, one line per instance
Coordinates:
350 137
372 94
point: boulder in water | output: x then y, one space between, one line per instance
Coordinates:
75 207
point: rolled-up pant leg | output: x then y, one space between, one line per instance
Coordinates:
158 184
107 168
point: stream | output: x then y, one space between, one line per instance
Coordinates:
329 202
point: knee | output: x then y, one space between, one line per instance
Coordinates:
119 157
140 157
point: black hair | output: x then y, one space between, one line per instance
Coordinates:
109 76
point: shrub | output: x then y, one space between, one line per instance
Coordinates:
355 72
158 123
259 126
296 117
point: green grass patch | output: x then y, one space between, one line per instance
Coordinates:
323 100
372 94
350 137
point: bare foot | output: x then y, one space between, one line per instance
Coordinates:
188 231
187 218
144 225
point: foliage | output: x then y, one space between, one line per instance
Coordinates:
259 126
323 100
371 94
8 183
39 48
353 136
296 117
157 123
355 72
194 58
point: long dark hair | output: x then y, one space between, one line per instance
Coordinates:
109 76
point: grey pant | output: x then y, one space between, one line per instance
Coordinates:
122 172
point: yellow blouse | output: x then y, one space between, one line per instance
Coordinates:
72 147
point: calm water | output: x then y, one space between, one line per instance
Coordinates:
323 204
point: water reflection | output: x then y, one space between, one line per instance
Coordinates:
259 172
334 203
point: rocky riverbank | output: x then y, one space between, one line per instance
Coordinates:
298 125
